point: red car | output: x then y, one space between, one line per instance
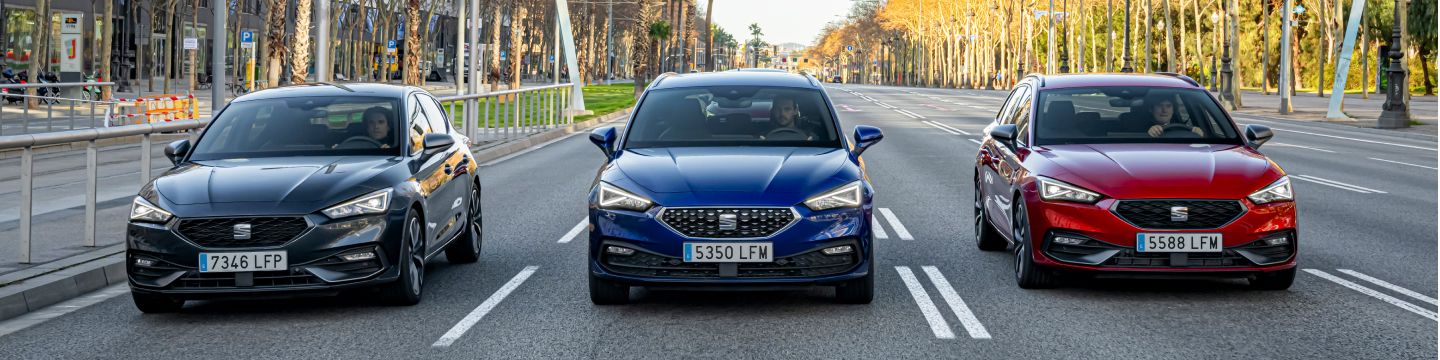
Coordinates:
1131 176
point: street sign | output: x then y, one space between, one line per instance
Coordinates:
247 37
192 43
552 58
390 46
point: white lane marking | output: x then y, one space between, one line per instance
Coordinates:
1337 184
1430 148
1404 163
575 231
1301 147
475 315
937 126
895 224
1392 287
884 105
977 142
902 112
938 325
977 107
967 318
879 231
38 317
913 114
951 128
1375 294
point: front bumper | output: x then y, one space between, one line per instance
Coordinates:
314 266
798 261
1110 242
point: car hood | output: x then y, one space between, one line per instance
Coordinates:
733 175
1211 171
304 179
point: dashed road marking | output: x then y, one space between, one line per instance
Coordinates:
937 123
937 322
37 317
942 128
1301 147
895 224
1375 294
879 231
1388 285
475 315
1404 163
1337 184
957 305
575 231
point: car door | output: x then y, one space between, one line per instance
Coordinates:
1008 168
454 170
996 190
430 172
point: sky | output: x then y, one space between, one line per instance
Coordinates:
782 21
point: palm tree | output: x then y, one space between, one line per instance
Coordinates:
300 62
659 30
755 34
276 42
411 66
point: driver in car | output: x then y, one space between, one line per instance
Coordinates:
1162 111
377 127
785 116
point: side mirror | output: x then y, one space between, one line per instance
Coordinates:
177 150
1258 134
604 138
434 143
1005 134
865 136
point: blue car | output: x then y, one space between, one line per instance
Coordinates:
737 180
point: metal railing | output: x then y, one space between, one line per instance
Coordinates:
28 142
509 114
94 119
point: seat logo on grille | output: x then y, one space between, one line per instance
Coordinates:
728 222
1179 213
242 231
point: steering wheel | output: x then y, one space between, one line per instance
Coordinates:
360 139
1177 130
785 133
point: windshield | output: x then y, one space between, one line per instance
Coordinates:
733 116
303 126
1131 115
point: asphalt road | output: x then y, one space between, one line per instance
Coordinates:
1367 289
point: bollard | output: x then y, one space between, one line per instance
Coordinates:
27 185
91 180
145 158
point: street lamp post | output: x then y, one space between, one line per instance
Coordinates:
1065 43
1125 67
1227 97
1396 113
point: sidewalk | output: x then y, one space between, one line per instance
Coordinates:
1364 112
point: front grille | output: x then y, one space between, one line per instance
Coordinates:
809 264
1158 214
222 233
706 222
1132 258
198 280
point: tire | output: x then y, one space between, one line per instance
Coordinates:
1275 280
407 290
606 292
1027 274
155 304
858 291
986 237
466 249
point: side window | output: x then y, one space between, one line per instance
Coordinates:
1022 120
419 125
436 116
1007 115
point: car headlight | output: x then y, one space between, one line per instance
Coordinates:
612 197
1277 191
141 210
844 196
1056 190
372 203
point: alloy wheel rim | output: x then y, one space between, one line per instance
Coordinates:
417 257
1021 228
476 227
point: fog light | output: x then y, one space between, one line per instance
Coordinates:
1282 240
144 262
360 256
1063 240
837 250
619 250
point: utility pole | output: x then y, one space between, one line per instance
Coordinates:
461 28
1126 67
322 41
1265 44
217 60
475 72
1227 80
1396 112
1232 42
609 40
1285 23
1109 37
1065 53
1050 42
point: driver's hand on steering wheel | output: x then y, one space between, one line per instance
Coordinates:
1197 131
1156 130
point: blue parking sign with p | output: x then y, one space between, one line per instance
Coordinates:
247 36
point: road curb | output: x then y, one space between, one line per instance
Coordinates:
46 284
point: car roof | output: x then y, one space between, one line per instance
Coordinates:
327 89
1114 79
735 78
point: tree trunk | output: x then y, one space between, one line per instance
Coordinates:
40 57
300 62
517 24
107 39
275 42
410 67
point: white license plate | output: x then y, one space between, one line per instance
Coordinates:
729 252
242 261
1179 242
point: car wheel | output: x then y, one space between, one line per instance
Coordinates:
466 250
858 291
1027 274
606 292
407 290
155 304
1274 280
986 237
